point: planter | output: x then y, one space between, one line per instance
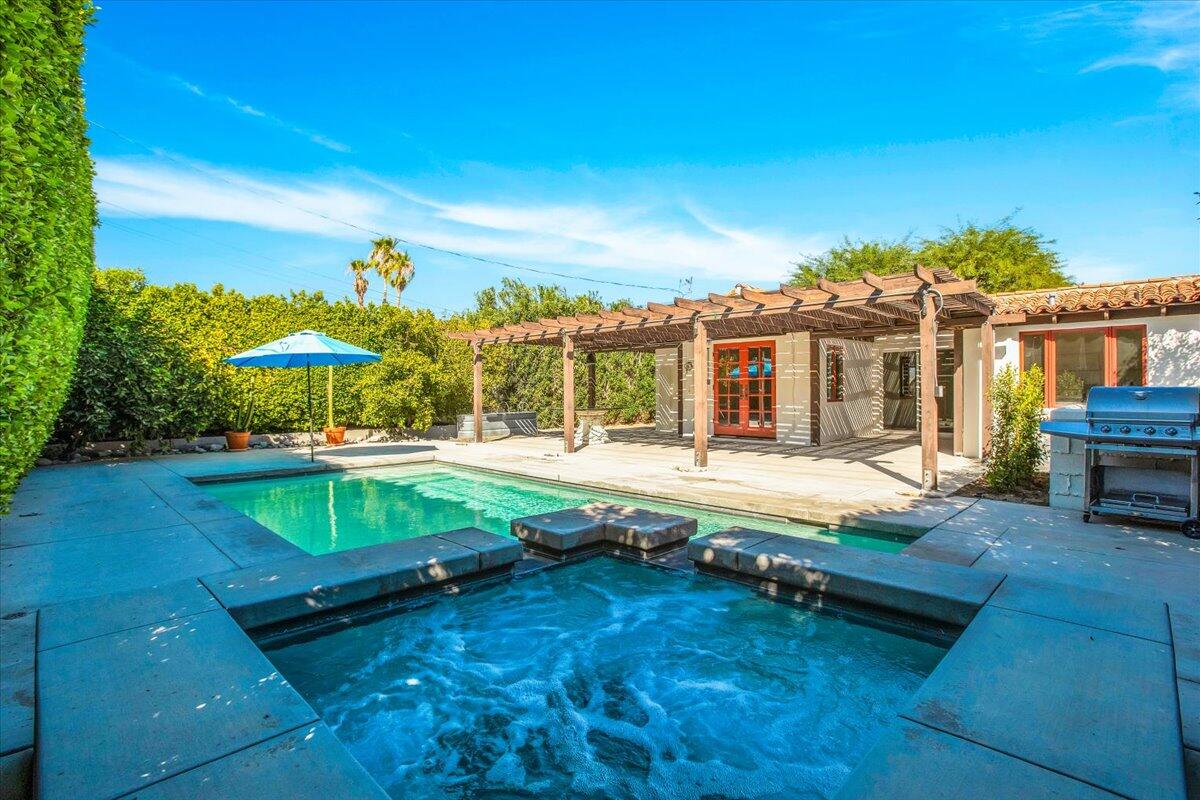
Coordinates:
335 435
237 440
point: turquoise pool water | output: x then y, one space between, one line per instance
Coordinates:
606 679
343 510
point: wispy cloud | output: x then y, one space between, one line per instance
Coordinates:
1163 36
670 239
226 101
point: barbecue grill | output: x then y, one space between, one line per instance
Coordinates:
1142 453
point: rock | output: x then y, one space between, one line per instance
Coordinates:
44 462
216 448
85 458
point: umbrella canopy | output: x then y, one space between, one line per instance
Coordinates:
303 349
306 349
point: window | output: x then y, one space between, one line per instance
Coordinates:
835 375
908 374
1076 360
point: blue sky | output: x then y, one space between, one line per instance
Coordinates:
252 143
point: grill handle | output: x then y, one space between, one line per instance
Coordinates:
1146 497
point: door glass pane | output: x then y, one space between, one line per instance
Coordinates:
1079 364
1034 350
1129 357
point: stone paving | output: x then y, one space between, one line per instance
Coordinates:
103 561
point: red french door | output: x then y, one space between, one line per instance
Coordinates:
744 389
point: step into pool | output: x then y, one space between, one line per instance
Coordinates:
342 510
606 679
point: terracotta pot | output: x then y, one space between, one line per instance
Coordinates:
237 440
335 435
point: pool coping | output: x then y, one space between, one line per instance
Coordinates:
1000 758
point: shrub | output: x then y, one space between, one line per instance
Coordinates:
46 220
1018 449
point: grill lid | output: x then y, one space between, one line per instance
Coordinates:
1177 403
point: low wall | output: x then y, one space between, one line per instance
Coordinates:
499 425
1066 464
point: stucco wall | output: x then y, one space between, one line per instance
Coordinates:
860 413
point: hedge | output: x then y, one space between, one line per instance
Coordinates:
151 362
47 214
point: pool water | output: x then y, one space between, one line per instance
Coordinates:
343 510
606 679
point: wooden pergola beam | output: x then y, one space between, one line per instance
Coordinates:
700 394
568 356
477 388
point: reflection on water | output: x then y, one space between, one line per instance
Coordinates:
344 510
607 680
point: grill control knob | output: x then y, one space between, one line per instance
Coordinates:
1126 429
1151 430
1106 429
1171 431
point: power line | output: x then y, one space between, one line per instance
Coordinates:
410 242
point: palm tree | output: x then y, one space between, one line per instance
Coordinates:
402 272
358 267
394 266
383 250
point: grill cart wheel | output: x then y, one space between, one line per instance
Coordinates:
1191 528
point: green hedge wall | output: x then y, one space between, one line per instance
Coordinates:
151 362
47 212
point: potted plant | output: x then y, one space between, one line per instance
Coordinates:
239 438
334 434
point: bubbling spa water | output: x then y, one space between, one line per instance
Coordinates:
606 679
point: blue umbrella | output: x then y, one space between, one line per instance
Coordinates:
306 349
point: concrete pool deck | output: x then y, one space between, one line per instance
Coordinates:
141 527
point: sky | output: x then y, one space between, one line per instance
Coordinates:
639 151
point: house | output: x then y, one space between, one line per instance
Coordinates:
815 365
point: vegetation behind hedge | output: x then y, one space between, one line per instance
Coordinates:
47 214
151 362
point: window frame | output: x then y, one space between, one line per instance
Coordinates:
1050 351
833 386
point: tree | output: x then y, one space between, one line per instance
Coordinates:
849 260
1001 257
394 266
359 267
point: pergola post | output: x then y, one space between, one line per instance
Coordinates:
477 388
700 394
928 386
957 388
591 381
987 344
569 393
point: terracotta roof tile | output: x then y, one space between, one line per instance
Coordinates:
1102 296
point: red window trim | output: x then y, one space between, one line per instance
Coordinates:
831 378
1049 352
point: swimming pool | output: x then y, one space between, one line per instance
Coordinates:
343 510
606 679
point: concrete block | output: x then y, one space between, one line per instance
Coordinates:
494 551
16 775
1060 483
913 762
942 592
246 542
1066 501
562 531
950 546
64 623
18 650
1185 634
297 587
1119 613
308 763
642 529
720 549
1096 706
125 710
42 574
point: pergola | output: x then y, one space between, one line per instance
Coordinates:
872 306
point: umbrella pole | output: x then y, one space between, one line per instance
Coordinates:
308 372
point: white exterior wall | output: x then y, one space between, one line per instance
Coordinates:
666 381
792 417
972 393
1172 346
861 412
